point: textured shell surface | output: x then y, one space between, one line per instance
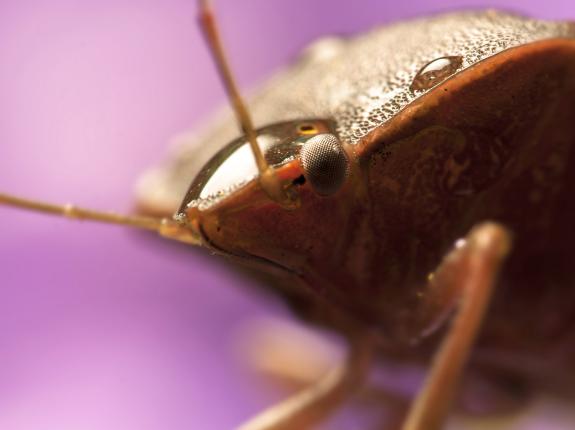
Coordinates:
360 82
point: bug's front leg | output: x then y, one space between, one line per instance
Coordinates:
473 268
310 406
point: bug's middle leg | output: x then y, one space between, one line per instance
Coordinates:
273 348
310 406
474 268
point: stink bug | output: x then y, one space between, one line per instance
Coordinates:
307 140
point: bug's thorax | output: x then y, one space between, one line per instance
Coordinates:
494 142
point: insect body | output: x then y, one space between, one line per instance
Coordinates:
389 157
386 126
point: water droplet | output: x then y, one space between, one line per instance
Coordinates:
435 72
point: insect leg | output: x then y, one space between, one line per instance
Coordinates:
316 402
474 269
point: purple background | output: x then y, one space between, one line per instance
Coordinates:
101 328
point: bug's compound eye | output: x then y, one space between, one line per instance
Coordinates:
325 163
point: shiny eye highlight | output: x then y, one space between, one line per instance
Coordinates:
325 163
307 129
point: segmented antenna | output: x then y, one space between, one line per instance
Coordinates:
268 179
164 226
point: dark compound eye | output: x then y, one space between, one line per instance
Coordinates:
325 163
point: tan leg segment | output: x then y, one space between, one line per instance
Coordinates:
316 402
474 267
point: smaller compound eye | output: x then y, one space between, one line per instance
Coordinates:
325 163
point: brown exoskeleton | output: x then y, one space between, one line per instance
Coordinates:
372 163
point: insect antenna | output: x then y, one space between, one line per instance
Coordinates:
268 179
164 226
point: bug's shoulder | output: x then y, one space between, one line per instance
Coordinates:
361 82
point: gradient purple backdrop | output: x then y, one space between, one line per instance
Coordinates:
100 328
